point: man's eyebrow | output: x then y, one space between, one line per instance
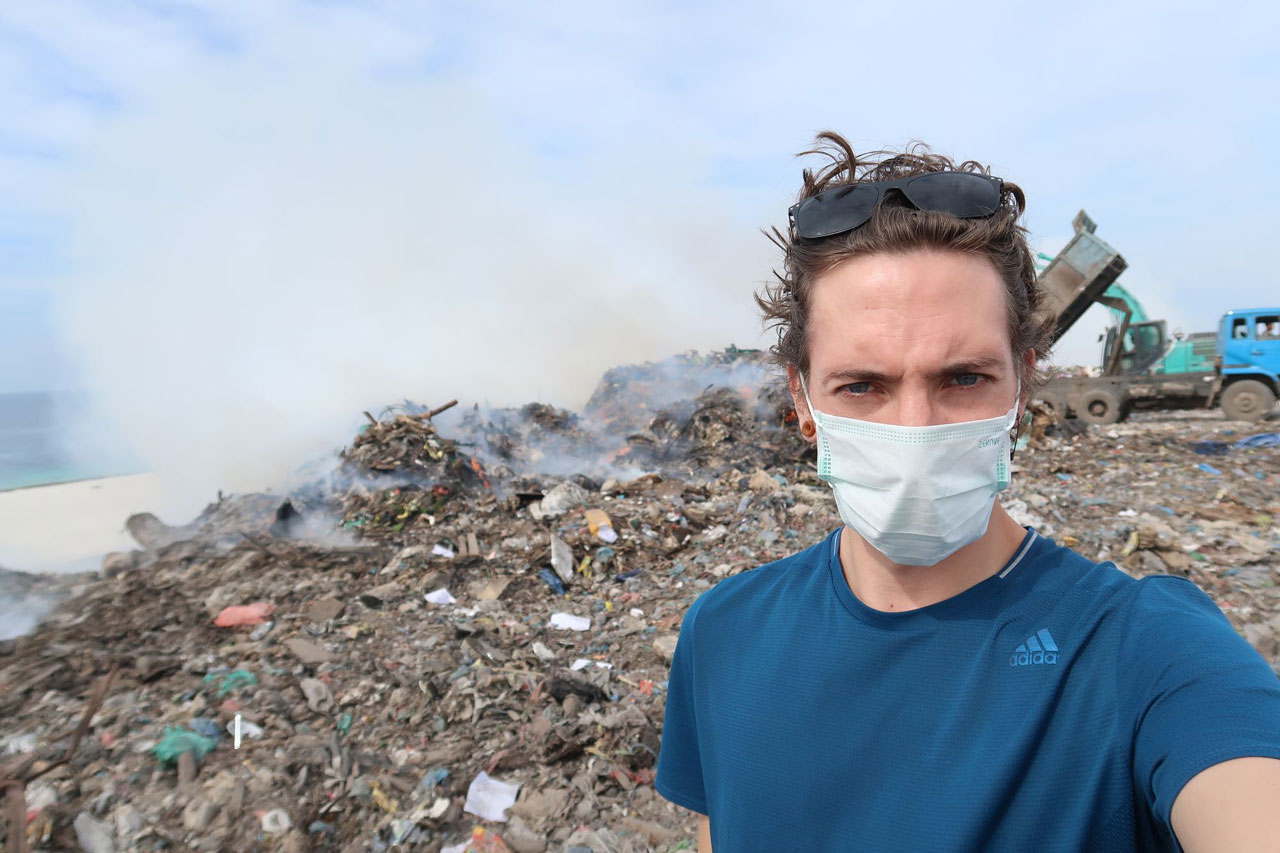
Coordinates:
967 365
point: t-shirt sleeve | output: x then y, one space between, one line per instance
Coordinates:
1198 692
679 776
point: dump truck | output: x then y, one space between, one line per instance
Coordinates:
1236 368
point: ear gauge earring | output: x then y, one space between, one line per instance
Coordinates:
807 429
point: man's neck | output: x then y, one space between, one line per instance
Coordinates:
882 584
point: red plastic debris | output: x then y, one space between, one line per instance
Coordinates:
238 616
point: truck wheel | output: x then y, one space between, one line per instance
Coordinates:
1100 406
1247 400
1055 403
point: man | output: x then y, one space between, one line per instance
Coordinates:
932 676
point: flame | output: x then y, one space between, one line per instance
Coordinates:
475 466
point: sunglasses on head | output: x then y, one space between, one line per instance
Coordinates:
968 195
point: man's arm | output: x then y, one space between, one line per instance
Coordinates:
1231 806
704 834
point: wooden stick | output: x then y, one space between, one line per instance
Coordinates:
449 405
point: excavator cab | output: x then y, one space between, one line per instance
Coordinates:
1143 345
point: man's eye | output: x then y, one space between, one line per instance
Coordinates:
967 380
858 387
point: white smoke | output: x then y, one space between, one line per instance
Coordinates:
266 244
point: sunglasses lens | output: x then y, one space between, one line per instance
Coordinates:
835 211
961 194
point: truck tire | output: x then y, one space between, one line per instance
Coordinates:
1247 400
1055 402
1101 406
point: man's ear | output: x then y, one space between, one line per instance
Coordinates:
797 398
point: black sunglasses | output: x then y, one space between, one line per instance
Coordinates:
968 195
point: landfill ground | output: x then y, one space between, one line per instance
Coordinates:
400 661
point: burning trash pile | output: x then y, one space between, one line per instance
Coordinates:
458 638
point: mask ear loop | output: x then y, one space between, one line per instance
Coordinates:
1017 424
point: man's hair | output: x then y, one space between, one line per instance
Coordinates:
895 227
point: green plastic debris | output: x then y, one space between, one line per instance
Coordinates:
177 741
232 680
344 723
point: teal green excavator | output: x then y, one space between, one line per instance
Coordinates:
1147 346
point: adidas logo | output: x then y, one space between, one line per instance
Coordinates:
1039 648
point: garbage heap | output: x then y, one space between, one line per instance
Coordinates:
462 643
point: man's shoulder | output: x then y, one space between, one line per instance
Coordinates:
1062 574
767 585
1167 609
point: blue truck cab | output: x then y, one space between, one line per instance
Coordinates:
1249 358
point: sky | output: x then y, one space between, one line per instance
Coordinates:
237 223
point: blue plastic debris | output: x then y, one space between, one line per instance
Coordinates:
1262 439
1210 448
434 777
553 581
1209 469
207 727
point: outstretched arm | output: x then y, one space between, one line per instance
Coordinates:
1231 806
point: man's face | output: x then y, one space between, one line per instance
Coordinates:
914 340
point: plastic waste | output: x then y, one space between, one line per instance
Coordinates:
276 822
482 841
95 836
243 615
601 526
562 558
177 741
247 729
433 778
440 596
570 622
1262 439
232 680
207 727
583 663
490 798
550 578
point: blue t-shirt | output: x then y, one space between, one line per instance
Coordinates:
1057 705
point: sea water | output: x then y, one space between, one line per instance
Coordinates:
37 447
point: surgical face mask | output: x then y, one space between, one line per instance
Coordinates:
917 494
